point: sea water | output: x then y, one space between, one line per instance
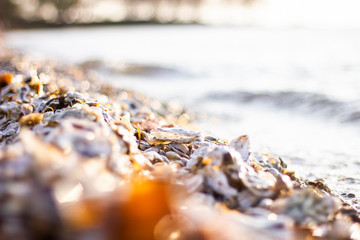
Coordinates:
294 91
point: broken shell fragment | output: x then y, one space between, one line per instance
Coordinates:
242 145
171 135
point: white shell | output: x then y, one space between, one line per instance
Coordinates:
242 145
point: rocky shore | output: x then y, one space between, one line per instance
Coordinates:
81 160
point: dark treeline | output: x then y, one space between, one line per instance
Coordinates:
33 13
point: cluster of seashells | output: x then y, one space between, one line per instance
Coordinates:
82 161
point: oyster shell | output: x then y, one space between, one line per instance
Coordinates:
242 145
307 208
171 135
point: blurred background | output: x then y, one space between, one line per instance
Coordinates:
30 13
295 13
285 72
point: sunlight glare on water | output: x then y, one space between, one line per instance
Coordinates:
285 13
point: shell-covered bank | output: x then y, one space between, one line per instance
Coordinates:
83 161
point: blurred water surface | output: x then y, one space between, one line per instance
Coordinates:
294 91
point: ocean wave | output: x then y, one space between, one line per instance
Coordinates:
304 101
135 69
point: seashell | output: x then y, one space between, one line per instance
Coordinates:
10 111
85 137
177 164
125 121
261 185
246 199
184 161
265 203
155 157
171 135
283 183
194 183
217 155
172 155
210 139
242 145
218 182
307 208
180 147
71 96
181 154
339 229
43 154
